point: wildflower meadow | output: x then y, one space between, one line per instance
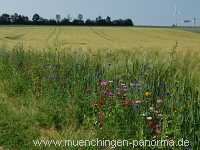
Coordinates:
105 94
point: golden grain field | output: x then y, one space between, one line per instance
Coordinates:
98 37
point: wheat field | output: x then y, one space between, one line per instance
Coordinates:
98 37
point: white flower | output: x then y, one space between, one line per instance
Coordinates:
159 101
149 118
122 84
138 102
151 108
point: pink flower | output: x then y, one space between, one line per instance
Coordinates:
104 83
109 94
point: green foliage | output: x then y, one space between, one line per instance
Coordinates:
16 129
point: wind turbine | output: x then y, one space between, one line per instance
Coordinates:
176 14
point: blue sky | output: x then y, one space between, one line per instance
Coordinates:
147 12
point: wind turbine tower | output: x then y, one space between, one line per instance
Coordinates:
176 14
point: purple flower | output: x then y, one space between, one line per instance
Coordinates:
104 83
109 94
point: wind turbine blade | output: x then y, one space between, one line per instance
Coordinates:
175 10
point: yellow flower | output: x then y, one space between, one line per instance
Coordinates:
147 94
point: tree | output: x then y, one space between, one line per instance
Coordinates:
22 19
89 22
98 18
36 18
77 22
5 18
80 17
108 20
121 22
128 22
19 19
65 21
14 18
52 22
58 18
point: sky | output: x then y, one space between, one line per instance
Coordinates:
143 12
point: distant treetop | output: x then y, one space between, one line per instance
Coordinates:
17 19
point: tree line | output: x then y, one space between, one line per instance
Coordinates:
17 19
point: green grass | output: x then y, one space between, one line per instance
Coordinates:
57 94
